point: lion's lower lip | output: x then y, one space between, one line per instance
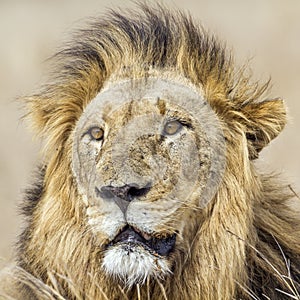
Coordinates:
129 236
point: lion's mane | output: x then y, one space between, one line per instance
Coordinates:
248 244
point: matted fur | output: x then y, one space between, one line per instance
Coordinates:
247 241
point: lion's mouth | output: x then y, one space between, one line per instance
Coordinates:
132 237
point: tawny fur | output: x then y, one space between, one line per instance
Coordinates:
245 242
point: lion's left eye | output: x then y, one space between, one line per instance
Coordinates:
96 133
172 127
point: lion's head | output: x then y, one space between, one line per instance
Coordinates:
148 184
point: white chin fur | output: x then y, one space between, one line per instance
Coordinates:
133 265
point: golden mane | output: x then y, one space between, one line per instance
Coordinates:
248 244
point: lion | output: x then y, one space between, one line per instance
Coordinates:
148 188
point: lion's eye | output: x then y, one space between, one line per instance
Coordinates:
96 133
172 127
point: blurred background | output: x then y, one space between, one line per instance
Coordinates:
265 31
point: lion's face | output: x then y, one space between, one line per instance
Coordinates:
145 155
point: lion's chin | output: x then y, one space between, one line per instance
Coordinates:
132 264
133 256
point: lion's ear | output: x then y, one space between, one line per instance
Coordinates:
265 121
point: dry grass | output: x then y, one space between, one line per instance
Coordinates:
53 290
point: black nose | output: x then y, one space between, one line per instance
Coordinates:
126 192
123 195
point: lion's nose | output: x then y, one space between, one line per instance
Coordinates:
123 195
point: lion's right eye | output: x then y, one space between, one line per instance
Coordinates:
96 133
172 127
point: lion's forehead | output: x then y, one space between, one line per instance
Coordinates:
116 98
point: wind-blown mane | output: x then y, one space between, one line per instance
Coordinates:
246 241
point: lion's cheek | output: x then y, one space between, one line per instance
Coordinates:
104 223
